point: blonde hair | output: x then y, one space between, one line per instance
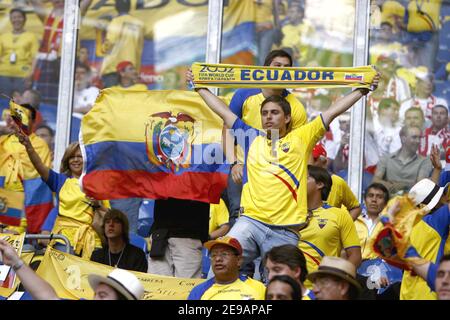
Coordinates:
70 151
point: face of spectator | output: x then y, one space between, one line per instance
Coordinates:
113 228
385 31
273 117
278 290
424 87
81 78
329 288
105 292
225 263
389 115
17 20
414 119
27 97
411 140
344 124
374 201
443 281
280 62
439 117
312 186
276 268
387 67
76 163
44 134
129 73
83 55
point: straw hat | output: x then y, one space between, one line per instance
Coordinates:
337 267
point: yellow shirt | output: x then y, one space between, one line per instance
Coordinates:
329 231
365 238
124 42
264 11
218 216
429 237
419 22
274 185
242 289
21 46
341 194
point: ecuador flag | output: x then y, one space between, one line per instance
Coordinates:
152 144
11 207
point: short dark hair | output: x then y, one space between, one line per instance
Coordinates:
84 66
415 109
296 290
378 186
279 100
441 106
277 53
289 255
122 217
445 257
321 175
23 13
123 6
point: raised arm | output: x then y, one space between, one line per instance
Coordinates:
216 105
40 167
35 285
436 162
39 9
84 6
344 103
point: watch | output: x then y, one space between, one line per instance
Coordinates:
18 265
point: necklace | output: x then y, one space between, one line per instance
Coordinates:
120 257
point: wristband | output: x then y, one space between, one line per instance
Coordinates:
18 265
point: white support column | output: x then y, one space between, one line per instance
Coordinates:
358 111
66 79
214 34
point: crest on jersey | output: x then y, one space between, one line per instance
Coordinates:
322 223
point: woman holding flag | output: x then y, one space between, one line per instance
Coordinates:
78 216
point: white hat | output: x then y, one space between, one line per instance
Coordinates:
426 192
121 280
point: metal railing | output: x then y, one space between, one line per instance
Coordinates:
50 237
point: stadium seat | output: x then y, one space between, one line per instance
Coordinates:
139 242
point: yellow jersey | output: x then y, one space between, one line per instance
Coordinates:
244 288
428 237
275 177
17 52
218 215
124 42
329 231
341 194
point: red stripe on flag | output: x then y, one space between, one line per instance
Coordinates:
10 221
111 184
36 215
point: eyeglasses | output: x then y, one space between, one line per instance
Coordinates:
223 255
76 156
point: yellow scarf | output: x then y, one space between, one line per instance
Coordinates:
239 76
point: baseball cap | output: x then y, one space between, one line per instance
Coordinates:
225 240
122 65
318 151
